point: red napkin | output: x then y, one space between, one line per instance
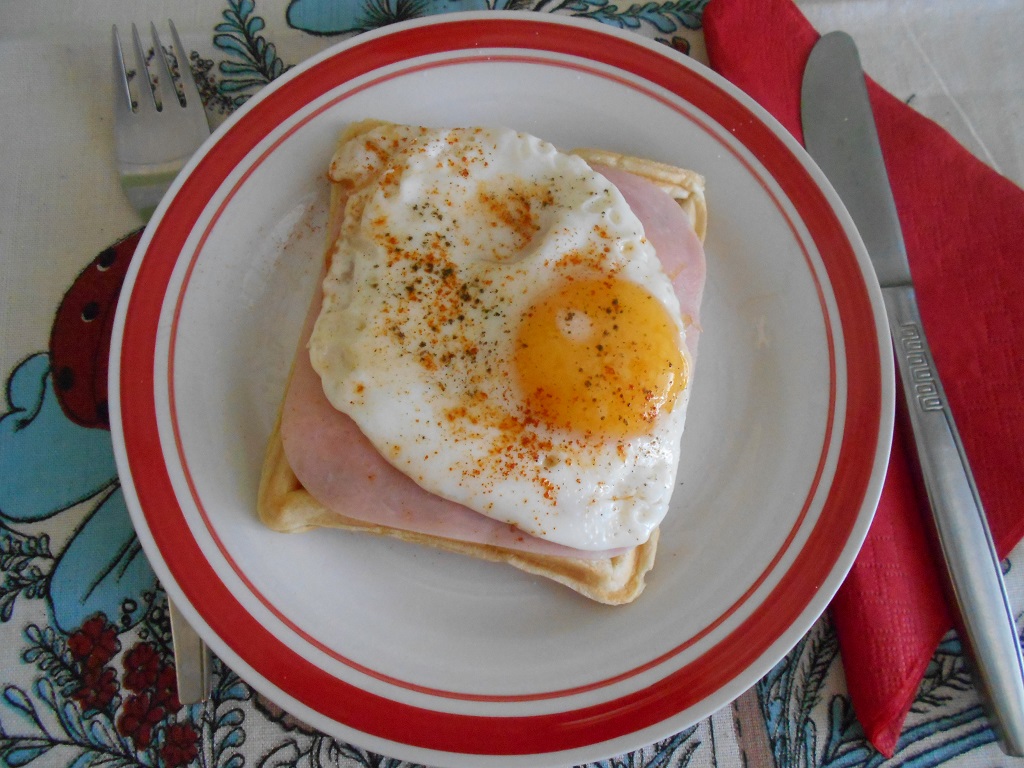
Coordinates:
964 230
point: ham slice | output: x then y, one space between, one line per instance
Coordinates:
341 468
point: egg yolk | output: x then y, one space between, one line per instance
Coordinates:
599 356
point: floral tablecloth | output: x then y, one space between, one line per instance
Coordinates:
88 675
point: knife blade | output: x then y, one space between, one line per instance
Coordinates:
841 137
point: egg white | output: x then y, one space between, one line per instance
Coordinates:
449 236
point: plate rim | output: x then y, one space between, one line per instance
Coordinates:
569 741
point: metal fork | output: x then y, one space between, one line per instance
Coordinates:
160 129
156 133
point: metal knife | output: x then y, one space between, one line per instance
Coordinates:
839 133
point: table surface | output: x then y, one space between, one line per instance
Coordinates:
61 205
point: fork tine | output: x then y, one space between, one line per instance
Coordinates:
165 89
122 94
143 81
187 82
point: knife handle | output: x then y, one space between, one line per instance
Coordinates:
985 620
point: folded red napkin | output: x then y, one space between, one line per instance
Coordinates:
963 225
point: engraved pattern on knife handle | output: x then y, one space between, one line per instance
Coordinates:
922 377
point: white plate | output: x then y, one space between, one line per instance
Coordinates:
444 660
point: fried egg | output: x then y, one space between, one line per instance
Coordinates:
498 326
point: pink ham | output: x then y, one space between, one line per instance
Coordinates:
677 245
339 466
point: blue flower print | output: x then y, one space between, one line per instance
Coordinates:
102 570
333 17
48 465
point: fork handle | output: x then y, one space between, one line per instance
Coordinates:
192 659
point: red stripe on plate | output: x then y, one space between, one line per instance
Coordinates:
420 727
546 694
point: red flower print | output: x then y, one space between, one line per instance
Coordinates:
95 643
139 716
681 44
98 689
181 745
141 667
166 688
144 670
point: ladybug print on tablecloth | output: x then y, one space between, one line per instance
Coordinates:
80 339
56 457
